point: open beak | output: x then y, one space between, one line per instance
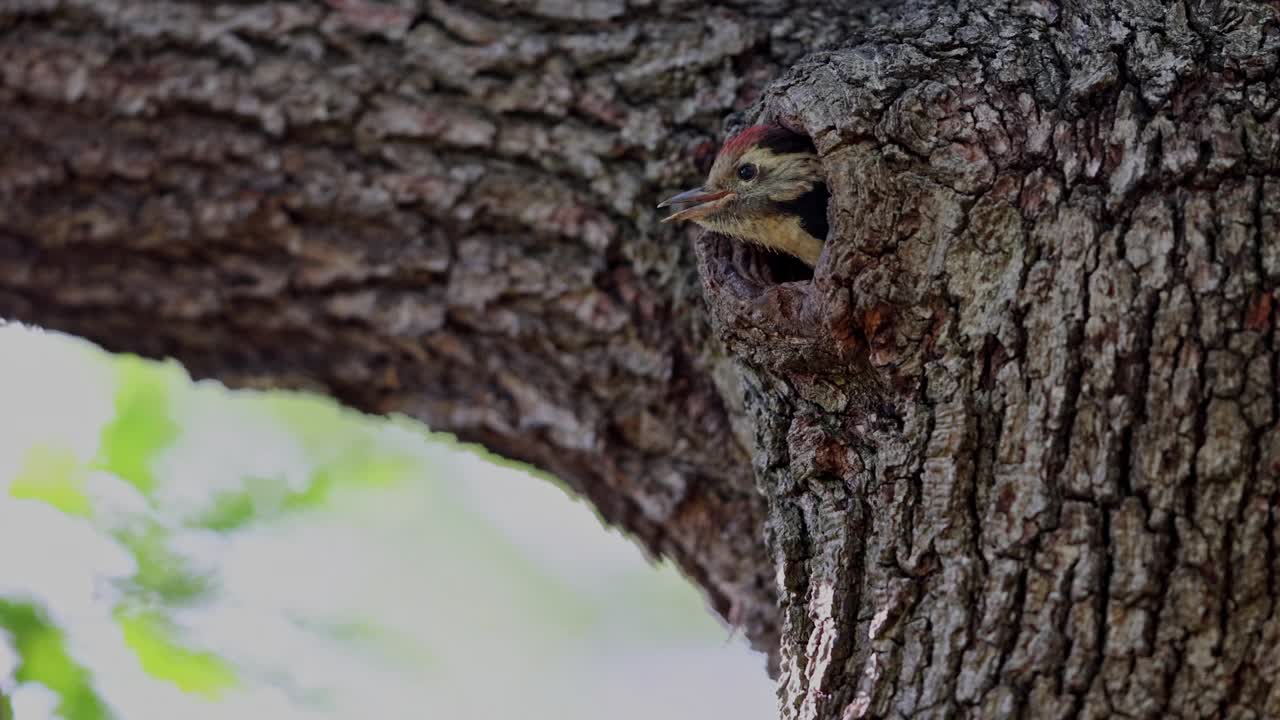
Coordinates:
702 203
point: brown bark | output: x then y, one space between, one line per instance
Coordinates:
1015 445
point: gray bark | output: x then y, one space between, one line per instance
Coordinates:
1012 451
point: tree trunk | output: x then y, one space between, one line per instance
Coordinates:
1015 444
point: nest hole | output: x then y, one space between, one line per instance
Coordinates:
785 268
757 266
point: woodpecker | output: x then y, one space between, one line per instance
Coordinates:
766 187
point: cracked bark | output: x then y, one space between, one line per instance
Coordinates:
1013 451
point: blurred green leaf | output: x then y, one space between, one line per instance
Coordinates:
53 475
230 511
45 660
315 421
164 658
162 573
143 425
364 467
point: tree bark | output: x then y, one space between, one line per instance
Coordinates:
1012 451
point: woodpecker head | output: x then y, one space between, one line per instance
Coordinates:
766 186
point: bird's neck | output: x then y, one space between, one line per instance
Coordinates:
781 233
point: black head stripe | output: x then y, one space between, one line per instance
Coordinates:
784 142
811 208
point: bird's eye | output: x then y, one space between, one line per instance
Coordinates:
747 172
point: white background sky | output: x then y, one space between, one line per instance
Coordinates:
478 591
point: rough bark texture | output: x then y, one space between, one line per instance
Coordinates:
443 209
1015 444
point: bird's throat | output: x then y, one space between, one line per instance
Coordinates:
780 233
